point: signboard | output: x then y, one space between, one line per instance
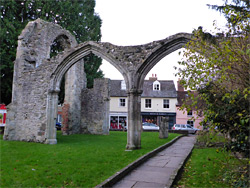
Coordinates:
3 112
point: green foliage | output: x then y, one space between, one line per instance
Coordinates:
92 70
218 67
76 16
241 7
76 161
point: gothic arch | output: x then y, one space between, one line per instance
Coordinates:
65 62
84 49
165 47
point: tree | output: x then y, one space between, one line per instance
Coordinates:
240 7
76 16
218 67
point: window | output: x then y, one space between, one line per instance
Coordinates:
123 85
165 103
122 102
156 86
190 113
148 103
118 122
59 118
190 122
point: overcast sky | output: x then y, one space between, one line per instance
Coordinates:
135 22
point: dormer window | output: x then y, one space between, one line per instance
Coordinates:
156 86
123 85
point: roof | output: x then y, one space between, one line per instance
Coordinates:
167 89
184 96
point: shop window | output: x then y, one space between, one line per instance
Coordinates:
123 122
114 122
165 103
148 103
118 122
122 102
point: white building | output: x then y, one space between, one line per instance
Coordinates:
159 98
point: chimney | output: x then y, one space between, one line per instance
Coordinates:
153 78
179 86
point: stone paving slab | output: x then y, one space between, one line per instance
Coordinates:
160 170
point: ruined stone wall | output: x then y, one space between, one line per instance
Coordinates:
75 82
27 113
26 117
95 108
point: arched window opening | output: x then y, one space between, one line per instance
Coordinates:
59 45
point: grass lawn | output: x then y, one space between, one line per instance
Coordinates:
76 161
207 167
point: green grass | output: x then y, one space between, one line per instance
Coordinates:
207 167
76 161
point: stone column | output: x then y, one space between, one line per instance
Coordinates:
75 81
134 120
164 125
52 104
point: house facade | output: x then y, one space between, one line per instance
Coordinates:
159 99
191 117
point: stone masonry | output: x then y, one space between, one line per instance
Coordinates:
95 108
37 77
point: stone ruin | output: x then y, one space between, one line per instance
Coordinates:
37 77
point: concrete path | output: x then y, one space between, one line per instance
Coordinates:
160 170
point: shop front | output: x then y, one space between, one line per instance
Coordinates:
154 117
118 121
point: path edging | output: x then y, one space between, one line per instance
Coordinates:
122 173
177 173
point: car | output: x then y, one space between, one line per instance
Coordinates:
149 126
187 127
58 125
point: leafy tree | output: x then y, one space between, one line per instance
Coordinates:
76 16
240 7
218 67
92 70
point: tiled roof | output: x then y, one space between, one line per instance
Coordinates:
167 89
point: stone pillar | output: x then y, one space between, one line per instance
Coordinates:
52 104
75 81
164 124
134 120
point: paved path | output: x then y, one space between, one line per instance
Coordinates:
160 170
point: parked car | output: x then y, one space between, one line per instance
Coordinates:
187 127
58 125
149 126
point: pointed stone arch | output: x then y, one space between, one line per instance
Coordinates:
164 48
64 64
